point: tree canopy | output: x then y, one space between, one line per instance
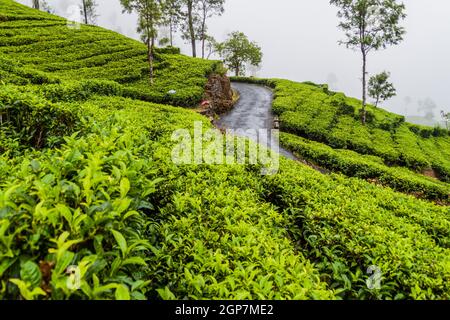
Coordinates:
150 15
88 10
238 50
370 25
380 89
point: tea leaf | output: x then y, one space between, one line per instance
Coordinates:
120 239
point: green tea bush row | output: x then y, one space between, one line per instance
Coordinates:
348 225
81 90
35 122
427 132
14 73
355 165
217 242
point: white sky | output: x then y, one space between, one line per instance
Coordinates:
299 41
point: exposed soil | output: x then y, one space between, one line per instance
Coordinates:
431 173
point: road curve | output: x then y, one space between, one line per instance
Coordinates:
253 111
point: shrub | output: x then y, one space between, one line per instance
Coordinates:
82 90
79 205
168 50
355 165
35 122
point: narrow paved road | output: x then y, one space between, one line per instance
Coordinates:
253 111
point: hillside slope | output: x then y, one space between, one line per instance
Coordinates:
87 180
45 43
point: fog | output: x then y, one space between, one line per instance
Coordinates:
299 39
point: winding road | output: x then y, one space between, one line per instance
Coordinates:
253 111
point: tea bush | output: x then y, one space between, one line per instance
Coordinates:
367 167
348 225
32 120
79 205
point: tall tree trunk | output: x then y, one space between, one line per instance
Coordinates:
36 4
171 31
150 45
152 57
203 46
364 85
203 33
85 12
191 28
238 70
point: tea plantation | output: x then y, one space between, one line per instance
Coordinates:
324 127
87 180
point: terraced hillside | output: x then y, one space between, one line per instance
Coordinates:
324 127
45 43
87 181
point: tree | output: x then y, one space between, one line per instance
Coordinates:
208 8
370 25
88 10
172 17
238 50
190 22
211 46
164 42
149 17
42 5
380 88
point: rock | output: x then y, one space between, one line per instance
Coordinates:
219 94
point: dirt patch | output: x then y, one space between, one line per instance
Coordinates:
430 173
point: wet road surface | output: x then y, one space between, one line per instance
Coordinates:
253 111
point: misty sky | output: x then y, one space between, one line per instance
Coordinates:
299 41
